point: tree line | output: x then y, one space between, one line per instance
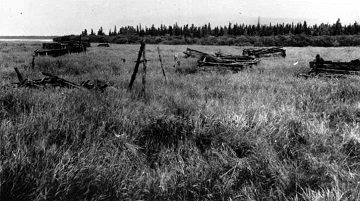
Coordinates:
235 30
290 34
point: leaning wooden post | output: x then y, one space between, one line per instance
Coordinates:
144 70
161 64
20 78
142 47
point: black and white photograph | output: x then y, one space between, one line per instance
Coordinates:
147 100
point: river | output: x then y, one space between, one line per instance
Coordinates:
24 40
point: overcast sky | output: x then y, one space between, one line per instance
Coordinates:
60 17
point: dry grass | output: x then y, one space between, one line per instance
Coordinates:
261 134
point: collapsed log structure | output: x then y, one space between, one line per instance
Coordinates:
59 49
321 67
55 81
265 52
63 45
209 62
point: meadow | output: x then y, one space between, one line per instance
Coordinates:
260 134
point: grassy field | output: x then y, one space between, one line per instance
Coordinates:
260 134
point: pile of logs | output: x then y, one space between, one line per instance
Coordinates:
265 52
210 62
207 60
238 58
55 81
321 67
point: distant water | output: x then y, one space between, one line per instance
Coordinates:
25 40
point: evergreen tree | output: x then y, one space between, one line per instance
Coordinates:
221 31
84 33
209 29
337 30
170 31
305 28
100 32
115 31
229 32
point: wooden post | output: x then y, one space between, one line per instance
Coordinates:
33 62
144 71
161 64
20 78
142 47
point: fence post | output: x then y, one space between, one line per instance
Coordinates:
161 64
144 71
33 62
136 69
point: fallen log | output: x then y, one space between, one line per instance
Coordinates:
192 53
211 60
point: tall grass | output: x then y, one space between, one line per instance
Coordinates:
254 135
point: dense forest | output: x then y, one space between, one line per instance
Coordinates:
294 34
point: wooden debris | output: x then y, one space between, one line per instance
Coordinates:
193 53
94 84
208 60
324 68
265 52
238 58
55 81
222 62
